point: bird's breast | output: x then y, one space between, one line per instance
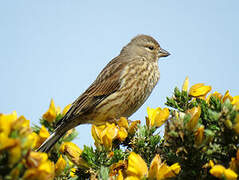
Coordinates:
139 79
137 82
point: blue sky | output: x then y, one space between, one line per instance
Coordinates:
55 49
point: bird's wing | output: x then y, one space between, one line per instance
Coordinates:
106 83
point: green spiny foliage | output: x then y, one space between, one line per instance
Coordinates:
219 144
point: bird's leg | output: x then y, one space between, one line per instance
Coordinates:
114 120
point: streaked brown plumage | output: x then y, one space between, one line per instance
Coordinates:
119 90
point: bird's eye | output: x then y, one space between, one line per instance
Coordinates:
151 47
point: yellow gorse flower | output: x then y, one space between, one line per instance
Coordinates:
154 167
230 174
161 171
156 117
122 134
227 96
166 171
211 163
15 153
136 166
60 165
10 122
235 102
71 149
14 139
110 130
199 135
6 121
73 152
52 112
195 113
6 142
39 167
199 90
22 125
96 132
133 127
108 135
123 122
35 158
64 111
42 136
132 178
220 171
185 84
105 134
32 140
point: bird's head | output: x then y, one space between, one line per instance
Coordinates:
145 46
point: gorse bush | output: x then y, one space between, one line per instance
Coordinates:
200 141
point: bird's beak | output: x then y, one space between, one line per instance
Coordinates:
163 53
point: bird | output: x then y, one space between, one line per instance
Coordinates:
119 90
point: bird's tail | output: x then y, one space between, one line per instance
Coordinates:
51 141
